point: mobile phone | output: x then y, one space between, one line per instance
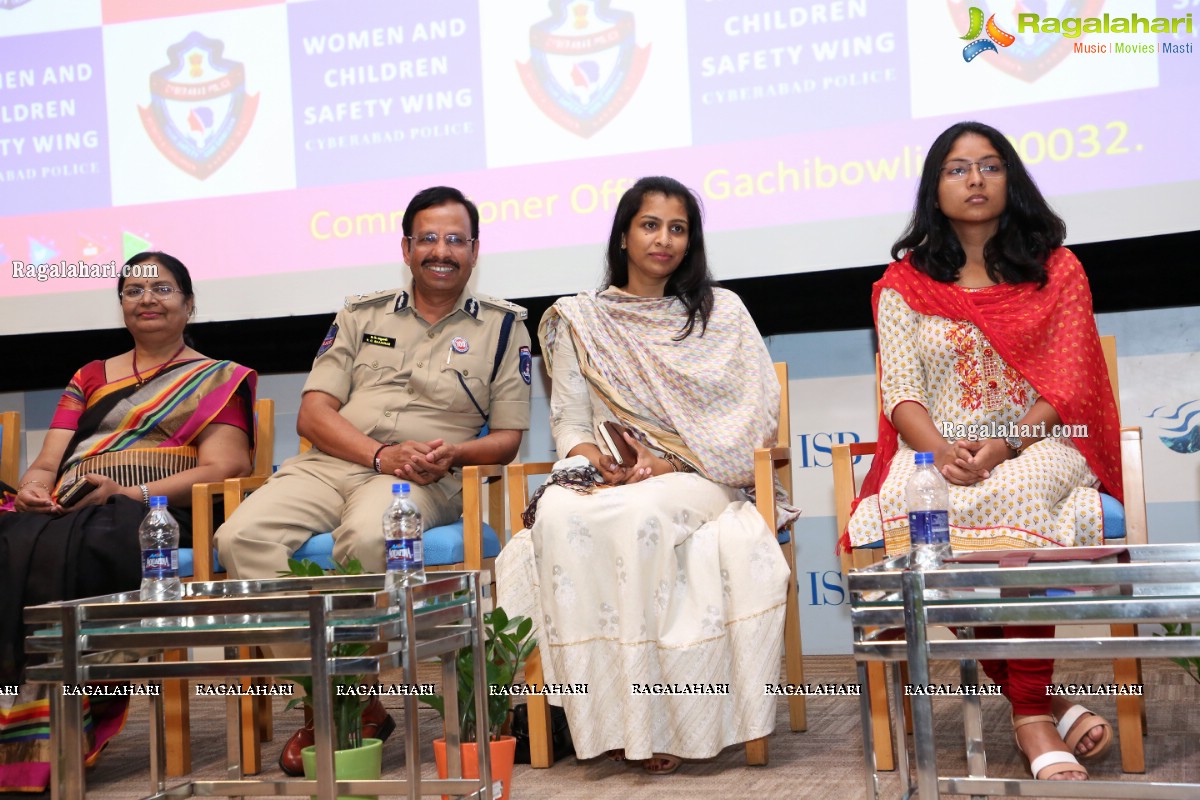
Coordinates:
76 492
622 451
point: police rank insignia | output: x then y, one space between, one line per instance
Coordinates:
460 345
327 342
526 364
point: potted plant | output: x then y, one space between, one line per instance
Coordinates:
507 644
1190 664
354 758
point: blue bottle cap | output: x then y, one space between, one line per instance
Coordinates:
397 488
923 458
158 500
404 487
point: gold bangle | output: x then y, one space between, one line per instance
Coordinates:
39 483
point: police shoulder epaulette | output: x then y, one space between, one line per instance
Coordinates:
355 300
503 305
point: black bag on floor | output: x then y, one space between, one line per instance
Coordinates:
560 734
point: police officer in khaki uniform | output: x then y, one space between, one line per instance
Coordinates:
400 388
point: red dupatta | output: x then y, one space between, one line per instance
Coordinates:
1048 335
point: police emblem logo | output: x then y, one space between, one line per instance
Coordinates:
401 301
327 342
526 359
584 64
1029 56
199 110
472 307
460 345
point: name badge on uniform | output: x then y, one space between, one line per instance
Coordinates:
382 341
460 345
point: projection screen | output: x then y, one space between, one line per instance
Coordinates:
273 146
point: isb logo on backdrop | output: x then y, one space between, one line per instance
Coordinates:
814 448
584 64
199 110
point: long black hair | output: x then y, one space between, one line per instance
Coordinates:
1028 231
691 282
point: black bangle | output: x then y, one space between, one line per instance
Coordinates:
378 465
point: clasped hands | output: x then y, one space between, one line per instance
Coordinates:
422 463
966 462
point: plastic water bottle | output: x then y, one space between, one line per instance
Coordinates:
159 538
405 551
928 514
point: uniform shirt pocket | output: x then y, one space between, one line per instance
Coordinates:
378 366
465 376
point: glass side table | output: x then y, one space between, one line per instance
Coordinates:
79 642
893 606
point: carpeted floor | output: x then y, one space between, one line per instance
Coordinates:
823 762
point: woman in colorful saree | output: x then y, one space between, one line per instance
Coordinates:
654 581
985 323
150 421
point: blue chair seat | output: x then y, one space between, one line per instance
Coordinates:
1114 521
443 546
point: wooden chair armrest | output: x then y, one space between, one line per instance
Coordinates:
844 490
1134 481
204 496
769 463
478 472
236 489
774 454
474 477
516 477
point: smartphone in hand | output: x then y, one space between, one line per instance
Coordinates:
622 451
76 492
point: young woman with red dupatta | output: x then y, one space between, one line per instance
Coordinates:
984 319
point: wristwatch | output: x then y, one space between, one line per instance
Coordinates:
1014 443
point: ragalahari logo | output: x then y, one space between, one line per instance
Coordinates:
995 35
5 5
584 64
199 110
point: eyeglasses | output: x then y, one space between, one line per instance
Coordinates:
134 293
452 240
959 169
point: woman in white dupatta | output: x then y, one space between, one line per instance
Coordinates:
657 584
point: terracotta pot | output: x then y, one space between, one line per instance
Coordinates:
502 752
355 764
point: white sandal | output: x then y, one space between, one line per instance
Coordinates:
1051 762
1068 722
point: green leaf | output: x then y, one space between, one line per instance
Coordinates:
497 619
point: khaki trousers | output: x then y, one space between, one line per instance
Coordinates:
315 493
